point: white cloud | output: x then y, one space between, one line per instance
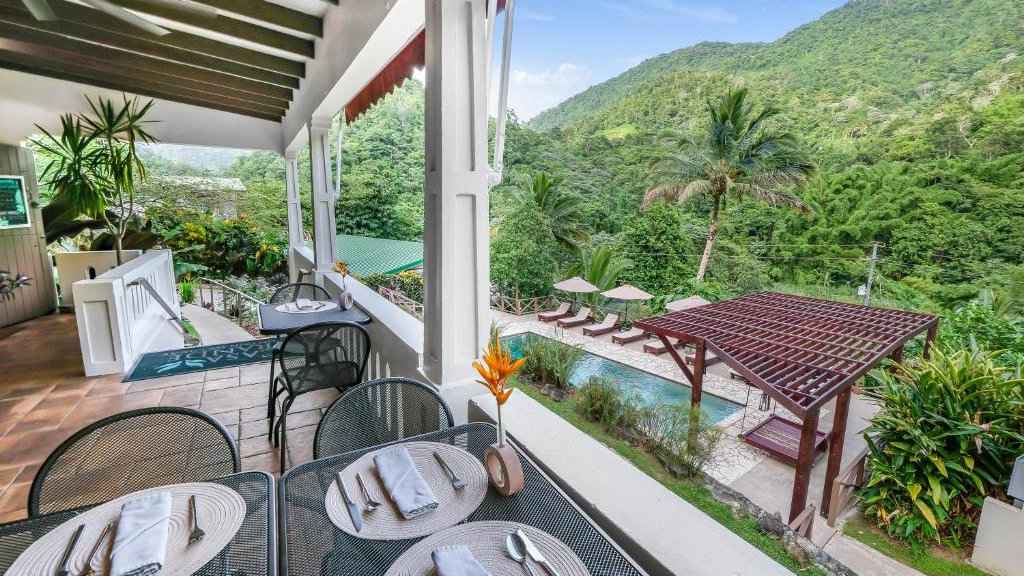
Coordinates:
650 9
531 92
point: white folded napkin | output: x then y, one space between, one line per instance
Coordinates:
141 542
303 303
457 561
407 489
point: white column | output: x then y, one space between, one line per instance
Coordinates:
324 229
456 243
296 239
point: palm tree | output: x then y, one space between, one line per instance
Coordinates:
740 155
562 210
94 163
601 266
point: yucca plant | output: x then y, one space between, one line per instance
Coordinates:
945 437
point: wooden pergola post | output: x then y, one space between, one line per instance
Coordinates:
835 446
804 462
700 358
929 340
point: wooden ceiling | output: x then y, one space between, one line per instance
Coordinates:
248 59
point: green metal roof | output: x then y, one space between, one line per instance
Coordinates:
365 255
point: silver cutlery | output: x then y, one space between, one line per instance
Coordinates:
371 503
354 512
62 570
457 482
88 570
515 552
534 553
197 533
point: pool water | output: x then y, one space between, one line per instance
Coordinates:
647 388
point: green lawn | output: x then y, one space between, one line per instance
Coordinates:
927 562
693 492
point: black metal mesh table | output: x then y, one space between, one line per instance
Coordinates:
311 545
253 551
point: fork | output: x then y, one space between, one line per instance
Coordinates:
457 482
371 504
197 533
88 570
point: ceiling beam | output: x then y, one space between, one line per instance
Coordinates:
138 45
129 61
64 71
225 25
271 14
43 54
80 17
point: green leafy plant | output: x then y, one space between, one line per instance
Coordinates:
740 155
945 437
550 363
680 437
187 291
563 210
599 400
94 163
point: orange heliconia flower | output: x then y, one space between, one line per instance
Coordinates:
496 369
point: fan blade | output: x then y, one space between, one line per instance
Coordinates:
129 17
40 10
186 6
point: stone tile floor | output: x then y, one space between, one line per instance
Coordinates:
45 397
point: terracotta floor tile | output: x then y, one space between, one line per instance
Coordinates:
188 395
20 450
222 373
15 497
6 477
228 418
221 384
256 445
266 462
254 413
167 382
13 516
229 398
47 415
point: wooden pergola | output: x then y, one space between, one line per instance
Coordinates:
802 352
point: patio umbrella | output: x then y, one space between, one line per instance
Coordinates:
627 294
576 285
686 303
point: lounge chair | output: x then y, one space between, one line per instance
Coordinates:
631 335
609 324
558 313
658 348
581 318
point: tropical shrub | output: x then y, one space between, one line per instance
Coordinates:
187 291
680 437
599 400
550 363
232 247
945 437
978 324
523 253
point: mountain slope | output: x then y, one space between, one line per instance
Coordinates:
878 56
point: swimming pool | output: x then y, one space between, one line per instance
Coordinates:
647 388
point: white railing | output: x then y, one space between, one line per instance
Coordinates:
119 319
302 261
75 266
396 336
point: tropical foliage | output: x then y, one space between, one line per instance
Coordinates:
93 164
740 155
946 436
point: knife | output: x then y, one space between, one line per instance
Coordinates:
63 569
353 509
534 553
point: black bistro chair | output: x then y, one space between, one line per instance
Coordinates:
283 295
316 357
292 292
378 412
132 451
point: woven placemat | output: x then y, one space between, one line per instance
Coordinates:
293 308
221 513
385 523
487 542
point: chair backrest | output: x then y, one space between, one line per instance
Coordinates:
378 412
610 319
292 292
324 355
583 313
132 451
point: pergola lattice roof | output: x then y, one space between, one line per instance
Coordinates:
802 351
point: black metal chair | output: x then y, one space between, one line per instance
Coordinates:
316 357
283 295
292 292
132 451
378 412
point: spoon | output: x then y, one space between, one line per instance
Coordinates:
512 547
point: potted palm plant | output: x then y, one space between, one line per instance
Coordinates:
93 164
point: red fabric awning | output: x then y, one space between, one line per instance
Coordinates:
401 67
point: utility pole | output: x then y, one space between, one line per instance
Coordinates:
871 273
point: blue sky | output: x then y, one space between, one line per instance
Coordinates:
563 46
